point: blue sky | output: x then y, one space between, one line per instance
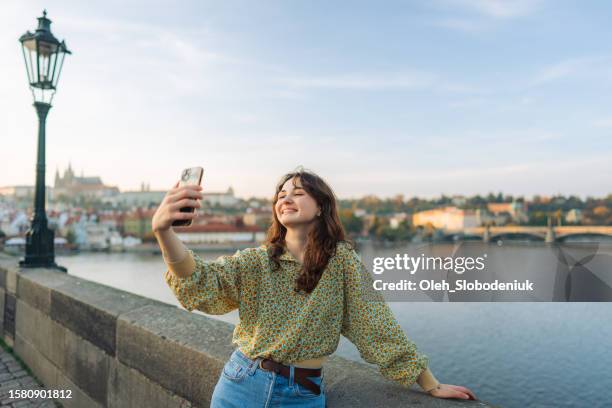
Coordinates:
395 97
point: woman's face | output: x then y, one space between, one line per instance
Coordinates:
294 205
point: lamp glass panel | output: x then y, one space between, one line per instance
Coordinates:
27 56
51 67
59 62
43 64
46 48
30 44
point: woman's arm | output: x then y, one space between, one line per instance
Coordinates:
369 324
175 254
213 286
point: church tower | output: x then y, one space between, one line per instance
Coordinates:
57 182
69 175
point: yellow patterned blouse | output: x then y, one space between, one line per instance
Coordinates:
286 326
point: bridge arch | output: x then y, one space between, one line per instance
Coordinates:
459 236
570 236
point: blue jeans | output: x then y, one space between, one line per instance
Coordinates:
243 384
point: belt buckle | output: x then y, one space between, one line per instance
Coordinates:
275 370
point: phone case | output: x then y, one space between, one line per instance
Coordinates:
189 176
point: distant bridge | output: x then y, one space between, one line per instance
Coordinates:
544 233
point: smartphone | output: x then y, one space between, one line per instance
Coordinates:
189 176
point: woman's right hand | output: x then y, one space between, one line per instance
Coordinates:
452 391
175 199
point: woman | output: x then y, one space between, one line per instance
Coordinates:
296 294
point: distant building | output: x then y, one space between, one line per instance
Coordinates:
71 186
573 216
257 216
14 224
517 210
17 191
22 192
446 218
226 199
360 212
484 217
396 219
219 233
147 198
138 223
96 237
139 198
458 200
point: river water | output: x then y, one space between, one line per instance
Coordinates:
512 354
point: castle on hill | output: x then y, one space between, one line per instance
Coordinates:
71 185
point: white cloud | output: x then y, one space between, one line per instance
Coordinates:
571 67
460 24
411 80
380 81
473 16
497 8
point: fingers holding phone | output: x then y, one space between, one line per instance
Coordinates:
171 208
178 206
189 177
186 204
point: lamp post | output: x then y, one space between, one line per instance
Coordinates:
44 57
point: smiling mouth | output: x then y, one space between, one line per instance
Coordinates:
288 210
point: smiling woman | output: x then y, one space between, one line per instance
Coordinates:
294 205
305 223
296 295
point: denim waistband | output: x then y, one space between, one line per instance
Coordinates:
249 362
240 355
252 365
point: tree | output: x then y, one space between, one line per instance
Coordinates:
352 224
70 236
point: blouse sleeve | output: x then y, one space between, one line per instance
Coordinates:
369 324
213 287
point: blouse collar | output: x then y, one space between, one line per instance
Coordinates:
285 256
288 257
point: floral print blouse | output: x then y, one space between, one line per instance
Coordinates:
279 323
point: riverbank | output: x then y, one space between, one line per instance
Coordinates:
145 248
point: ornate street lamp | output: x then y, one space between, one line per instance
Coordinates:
44 56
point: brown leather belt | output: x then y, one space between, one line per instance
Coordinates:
299 374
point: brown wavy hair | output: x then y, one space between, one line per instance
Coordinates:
322 238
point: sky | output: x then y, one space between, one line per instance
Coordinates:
412 97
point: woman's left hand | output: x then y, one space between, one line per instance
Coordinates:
452 391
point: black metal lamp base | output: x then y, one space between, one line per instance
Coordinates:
40 250
47 265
